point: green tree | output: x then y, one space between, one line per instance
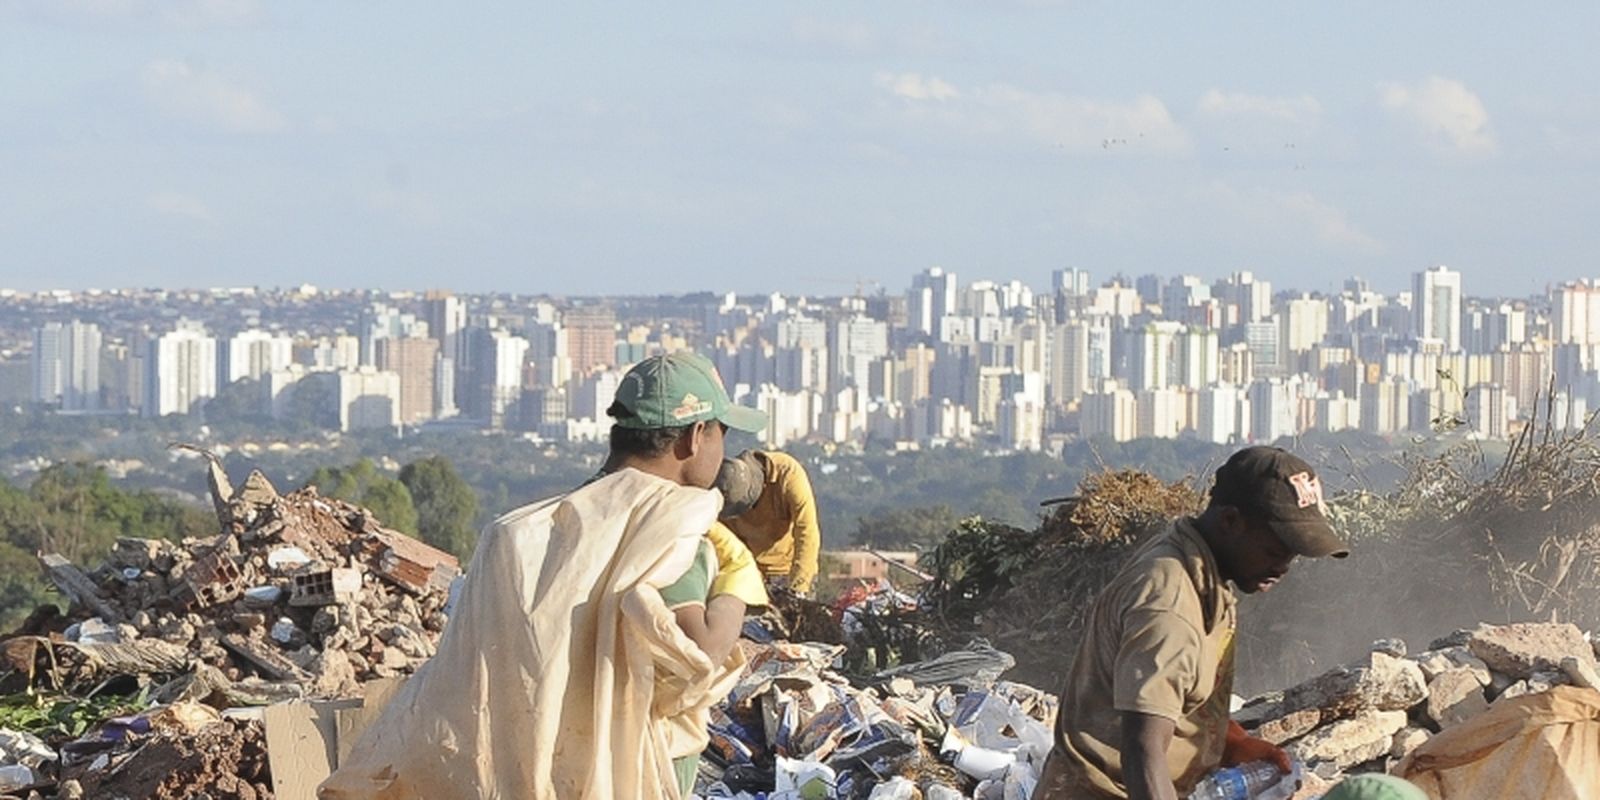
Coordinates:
446 505
361 483
906 528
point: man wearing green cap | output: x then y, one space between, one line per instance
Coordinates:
593 631
671 413
1144 713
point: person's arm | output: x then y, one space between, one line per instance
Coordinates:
1145 739
807 533
714 626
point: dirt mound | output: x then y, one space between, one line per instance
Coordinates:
227 761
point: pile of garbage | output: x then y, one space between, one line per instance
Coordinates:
944 728
298 597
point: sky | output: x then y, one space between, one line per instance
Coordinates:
650 147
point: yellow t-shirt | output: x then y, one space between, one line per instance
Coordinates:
781 528
1159 640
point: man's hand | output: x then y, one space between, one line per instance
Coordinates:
1145 739
1240 747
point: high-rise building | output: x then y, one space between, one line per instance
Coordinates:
591 337
932 297
1069 362
368 398
1151 358
1110 412
180 370
1575 313
1436 306
1197 358
382 321
66 365
1222 414
415 360
857 343
1305 323
253 353
1070 282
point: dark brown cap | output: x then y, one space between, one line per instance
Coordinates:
1282 488
741 481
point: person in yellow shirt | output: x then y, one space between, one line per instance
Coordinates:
770 508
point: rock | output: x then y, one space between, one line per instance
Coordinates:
1289 726
1520 650
1408 739
1453 697
332 674
69 790
1259 710
1386 684
1393 647
1434 662
1363 737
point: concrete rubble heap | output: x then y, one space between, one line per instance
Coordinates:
299 596
1367 717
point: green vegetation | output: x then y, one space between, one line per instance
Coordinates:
361 483
73 509
445 505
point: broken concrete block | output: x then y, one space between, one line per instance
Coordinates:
1520 650
1453 697
1363 737
325 587
1408 739
1434 662
1386 683
1289 726
213 579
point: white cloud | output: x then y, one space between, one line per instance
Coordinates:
1075 124
1448 115
1302 109
206 97
179 206
913 86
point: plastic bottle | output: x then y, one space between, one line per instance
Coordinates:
1249 781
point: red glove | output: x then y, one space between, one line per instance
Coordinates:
1239 747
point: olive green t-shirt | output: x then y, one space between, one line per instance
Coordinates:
1158 640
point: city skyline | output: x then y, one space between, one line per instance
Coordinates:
598 151
946 361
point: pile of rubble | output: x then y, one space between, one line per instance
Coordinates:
298 597
1367 717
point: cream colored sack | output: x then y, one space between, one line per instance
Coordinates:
544 681
1544 746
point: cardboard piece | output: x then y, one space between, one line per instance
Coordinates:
306 740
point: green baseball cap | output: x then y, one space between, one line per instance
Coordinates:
679 389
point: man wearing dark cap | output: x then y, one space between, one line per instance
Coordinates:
771 508
1144 713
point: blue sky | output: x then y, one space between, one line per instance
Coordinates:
660 147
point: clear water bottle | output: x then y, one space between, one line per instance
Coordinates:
1248 781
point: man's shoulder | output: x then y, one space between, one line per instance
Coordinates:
1157 570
